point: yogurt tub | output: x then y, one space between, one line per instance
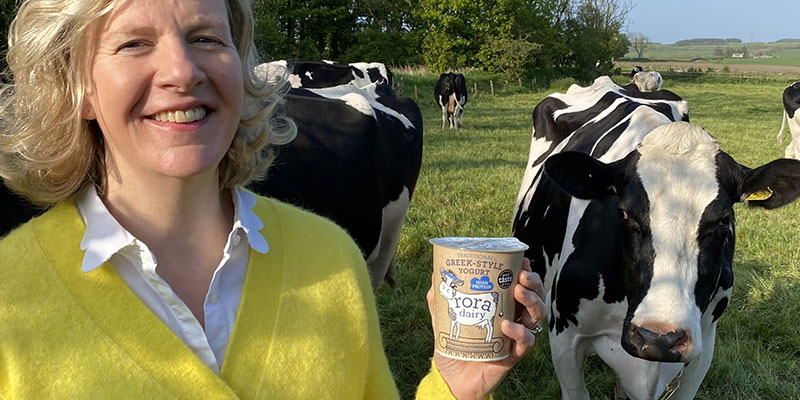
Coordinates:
473 278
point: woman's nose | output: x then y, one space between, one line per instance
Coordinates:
177 66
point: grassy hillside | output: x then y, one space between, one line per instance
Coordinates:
468 185
781 53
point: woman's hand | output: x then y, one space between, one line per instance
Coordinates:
477 380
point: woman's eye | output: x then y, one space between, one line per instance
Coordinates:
207 40
131 45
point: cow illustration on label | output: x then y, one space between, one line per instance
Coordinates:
474 277
469 309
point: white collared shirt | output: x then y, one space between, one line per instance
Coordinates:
106 240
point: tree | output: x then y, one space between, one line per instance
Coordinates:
479 33
639 43
311 29
451 40
600 21
387 31
508 55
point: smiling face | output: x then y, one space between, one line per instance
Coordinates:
165 87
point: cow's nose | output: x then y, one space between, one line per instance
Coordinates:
661 343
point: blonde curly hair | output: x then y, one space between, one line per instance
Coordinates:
48 153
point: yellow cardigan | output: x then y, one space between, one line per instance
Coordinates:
307 326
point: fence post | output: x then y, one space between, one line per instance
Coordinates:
416 97
491 87
474 88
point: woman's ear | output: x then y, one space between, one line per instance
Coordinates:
87 106
87 111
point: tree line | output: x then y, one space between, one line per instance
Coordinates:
554 38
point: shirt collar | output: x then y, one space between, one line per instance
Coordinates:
104 236
244 201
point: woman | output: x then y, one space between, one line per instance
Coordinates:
154 274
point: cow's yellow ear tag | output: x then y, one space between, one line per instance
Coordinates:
759 195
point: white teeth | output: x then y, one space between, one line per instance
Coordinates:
181 116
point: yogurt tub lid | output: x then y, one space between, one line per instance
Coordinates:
488 244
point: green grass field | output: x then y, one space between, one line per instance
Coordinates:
468 185
782 53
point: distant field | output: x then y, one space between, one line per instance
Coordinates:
756 70
781 53
468 185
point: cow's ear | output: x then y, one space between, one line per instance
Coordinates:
772 185
581 175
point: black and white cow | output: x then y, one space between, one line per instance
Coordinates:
636 70
450 93
627 209
323 74
14 210
649 81
791 102
355 160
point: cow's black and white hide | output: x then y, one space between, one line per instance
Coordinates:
355 160
14 210
450 93
791 102
636 70
323 74
649 81
632 230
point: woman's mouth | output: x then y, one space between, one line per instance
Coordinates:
181 116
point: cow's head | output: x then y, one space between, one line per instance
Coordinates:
791 99
674 198
449 282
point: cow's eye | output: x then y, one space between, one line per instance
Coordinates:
725 221
627 221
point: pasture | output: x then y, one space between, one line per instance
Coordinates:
468 186
781 53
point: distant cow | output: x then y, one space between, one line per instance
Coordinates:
627 209
636 70
649 81
791 102
468 309
323 74
355 160
450 94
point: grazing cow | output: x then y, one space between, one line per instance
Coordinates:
355 160
627 209
324 74
791 102
468 309
450 93
649 81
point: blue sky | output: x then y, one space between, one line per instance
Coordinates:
749 20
